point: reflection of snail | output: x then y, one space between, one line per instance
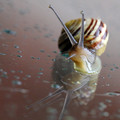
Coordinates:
84 52
77 86
72 80
74 84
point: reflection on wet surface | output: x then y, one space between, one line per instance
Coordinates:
29 34
73 83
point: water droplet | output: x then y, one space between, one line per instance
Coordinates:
4 45
40 73
41 69
46 81
23 11
55 86
4 75
102 106
54 51
117 67
16 77
48 35
1 70
109 76
38 76
84 113
48 55
78 82
112 69
65 55
95 83
54 60
16 46
93 112
12 71
38 58
2 54
42 50
109 101
51 110
19 51
112 94
19 56
36 26
105 114
24 78
28 76
20 71
54 40
8 31
16 82
32 57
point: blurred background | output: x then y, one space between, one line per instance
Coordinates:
28 46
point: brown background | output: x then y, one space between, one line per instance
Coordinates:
32 46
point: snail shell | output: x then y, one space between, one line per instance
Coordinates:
95 35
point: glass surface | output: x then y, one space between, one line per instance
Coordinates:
30 62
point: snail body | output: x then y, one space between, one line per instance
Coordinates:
84 40
95 35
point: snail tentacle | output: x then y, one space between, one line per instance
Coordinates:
57 92
73 55
72 40
66 102
81 40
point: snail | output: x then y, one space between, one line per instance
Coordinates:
85 40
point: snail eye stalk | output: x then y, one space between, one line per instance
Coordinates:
81 41
72 40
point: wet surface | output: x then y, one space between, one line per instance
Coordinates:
28 52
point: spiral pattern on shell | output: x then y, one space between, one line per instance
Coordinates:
95 35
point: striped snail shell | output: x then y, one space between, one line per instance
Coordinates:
95 35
